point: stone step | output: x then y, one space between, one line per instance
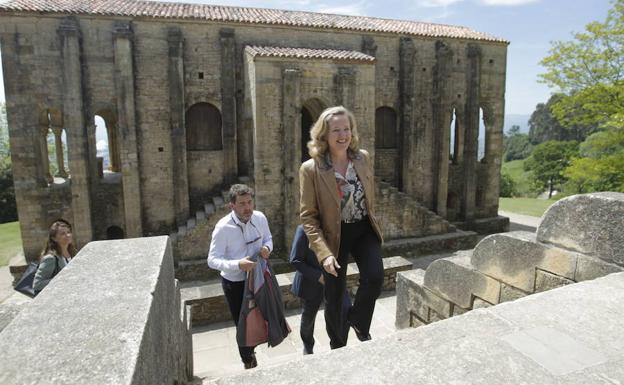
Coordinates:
200 216
197 269
190 223
209 208
181 231
208 305
218 202
412 247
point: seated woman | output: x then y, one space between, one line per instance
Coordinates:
58 251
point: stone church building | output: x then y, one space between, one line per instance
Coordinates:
196 97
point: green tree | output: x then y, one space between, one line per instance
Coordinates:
601 167
547 162
545 126
589 72
516 145
507 186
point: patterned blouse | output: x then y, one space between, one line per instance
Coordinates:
353 201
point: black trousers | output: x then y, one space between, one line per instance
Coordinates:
359 240
306 329
234 297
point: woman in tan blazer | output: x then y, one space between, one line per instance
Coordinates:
338 216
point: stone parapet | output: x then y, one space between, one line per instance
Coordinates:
505 267
569 335
112 316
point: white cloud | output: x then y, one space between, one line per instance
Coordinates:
101 145
436 3
353 9
509 3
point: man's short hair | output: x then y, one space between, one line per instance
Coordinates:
238 190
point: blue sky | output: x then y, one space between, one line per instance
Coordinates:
530 26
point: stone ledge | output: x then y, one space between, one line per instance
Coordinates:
410 247
468 349
207 302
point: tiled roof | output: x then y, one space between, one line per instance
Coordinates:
309 53
152 9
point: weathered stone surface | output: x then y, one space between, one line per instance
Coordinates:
513 257
414 299
510 293
479 348
547 281
411 247
590 268
458 281
100 325
588 223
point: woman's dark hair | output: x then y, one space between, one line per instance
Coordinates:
51 247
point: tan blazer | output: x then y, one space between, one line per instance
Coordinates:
320 203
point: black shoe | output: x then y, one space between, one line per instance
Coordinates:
251 364
307 351
360 336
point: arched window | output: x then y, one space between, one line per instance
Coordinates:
385 128
106 142
53 146
114 232
203 128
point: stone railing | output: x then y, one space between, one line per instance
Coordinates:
112 316
579 238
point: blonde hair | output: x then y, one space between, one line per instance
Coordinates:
317 146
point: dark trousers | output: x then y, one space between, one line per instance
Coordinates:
359 240
306 329
234 297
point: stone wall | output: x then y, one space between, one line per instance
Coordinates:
578 239
112 316
146 73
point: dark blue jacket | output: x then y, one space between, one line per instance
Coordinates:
305 284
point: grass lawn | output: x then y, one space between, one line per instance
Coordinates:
515 169
525 206
10 241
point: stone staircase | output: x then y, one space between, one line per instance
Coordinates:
578 239
192 240
410 229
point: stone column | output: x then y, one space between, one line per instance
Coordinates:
113 147
122 137
345 88
473 81
410 137
42 140
76 129
228 104
58 142
441 125
291 134
178 125
493 115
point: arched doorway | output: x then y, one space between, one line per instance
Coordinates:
310 111
114 232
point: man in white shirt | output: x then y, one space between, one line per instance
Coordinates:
237 237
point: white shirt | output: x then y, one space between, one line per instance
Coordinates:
233 240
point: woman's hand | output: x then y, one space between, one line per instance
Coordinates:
330 265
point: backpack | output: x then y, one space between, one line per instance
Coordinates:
25 283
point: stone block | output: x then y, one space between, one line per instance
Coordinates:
413 298
456 280
478 303
513 257
510 293
588 223
546 281
458 310
588 267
